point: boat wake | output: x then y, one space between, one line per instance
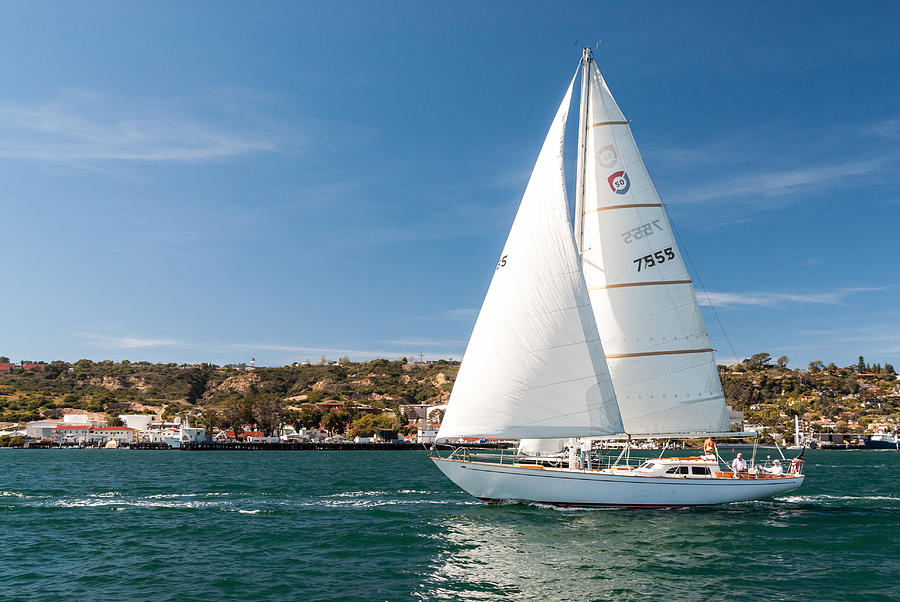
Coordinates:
240 502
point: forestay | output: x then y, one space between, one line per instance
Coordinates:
657 346
534 366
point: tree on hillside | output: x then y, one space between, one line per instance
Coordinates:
816 366
315 396
758 361
783 362
210 419
335 422
309 417
268 412
238 412
861 365
4 359
365 426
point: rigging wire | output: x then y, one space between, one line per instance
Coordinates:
684 249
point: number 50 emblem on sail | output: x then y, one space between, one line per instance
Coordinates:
619 182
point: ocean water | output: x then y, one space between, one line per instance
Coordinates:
167 525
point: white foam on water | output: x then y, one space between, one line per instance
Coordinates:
377 503
357 494
838 498
122 503
12 494
169 496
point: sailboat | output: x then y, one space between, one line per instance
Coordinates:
590 328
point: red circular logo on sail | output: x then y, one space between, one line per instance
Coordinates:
619 182
607 155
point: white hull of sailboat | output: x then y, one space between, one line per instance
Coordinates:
495 483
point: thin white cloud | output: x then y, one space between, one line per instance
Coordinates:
416 341
878 338
778 183
889 128
768 299
130 342
460 314
84 126
355 353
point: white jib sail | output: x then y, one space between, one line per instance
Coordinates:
534 366
657 346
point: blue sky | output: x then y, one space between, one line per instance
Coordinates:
198 181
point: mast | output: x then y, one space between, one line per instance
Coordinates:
582 147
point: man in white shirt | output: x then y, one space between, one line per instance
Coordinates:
776 468
738 465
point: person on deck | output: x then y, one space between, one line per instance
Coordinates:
776 468
738 465
709 449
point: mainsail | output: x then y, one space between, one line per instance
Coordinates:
657 346
534 366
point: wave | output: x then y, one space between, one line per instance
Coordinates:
840 498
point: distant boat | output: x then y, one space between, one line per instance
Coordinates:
882 441
589 331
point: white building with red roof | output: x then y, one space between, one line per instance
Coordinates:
119 434
71 433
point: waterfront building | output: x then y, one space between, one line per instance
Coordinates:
119 434
427 433
41 429
415 412
140 422
71 433
82 418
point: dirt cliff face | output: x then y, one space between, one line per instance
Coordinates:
60 412
238 383
139 383
111 383
132 406
114 383
323 384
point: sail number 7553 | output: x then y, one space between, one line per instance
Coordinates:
648 261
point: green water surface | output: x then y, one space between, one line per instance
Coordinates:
323 525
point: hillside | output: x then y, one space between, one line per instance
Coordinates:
114 388
826 397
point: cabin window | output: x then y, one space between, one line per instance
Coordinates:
672 470
700 470
684 470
